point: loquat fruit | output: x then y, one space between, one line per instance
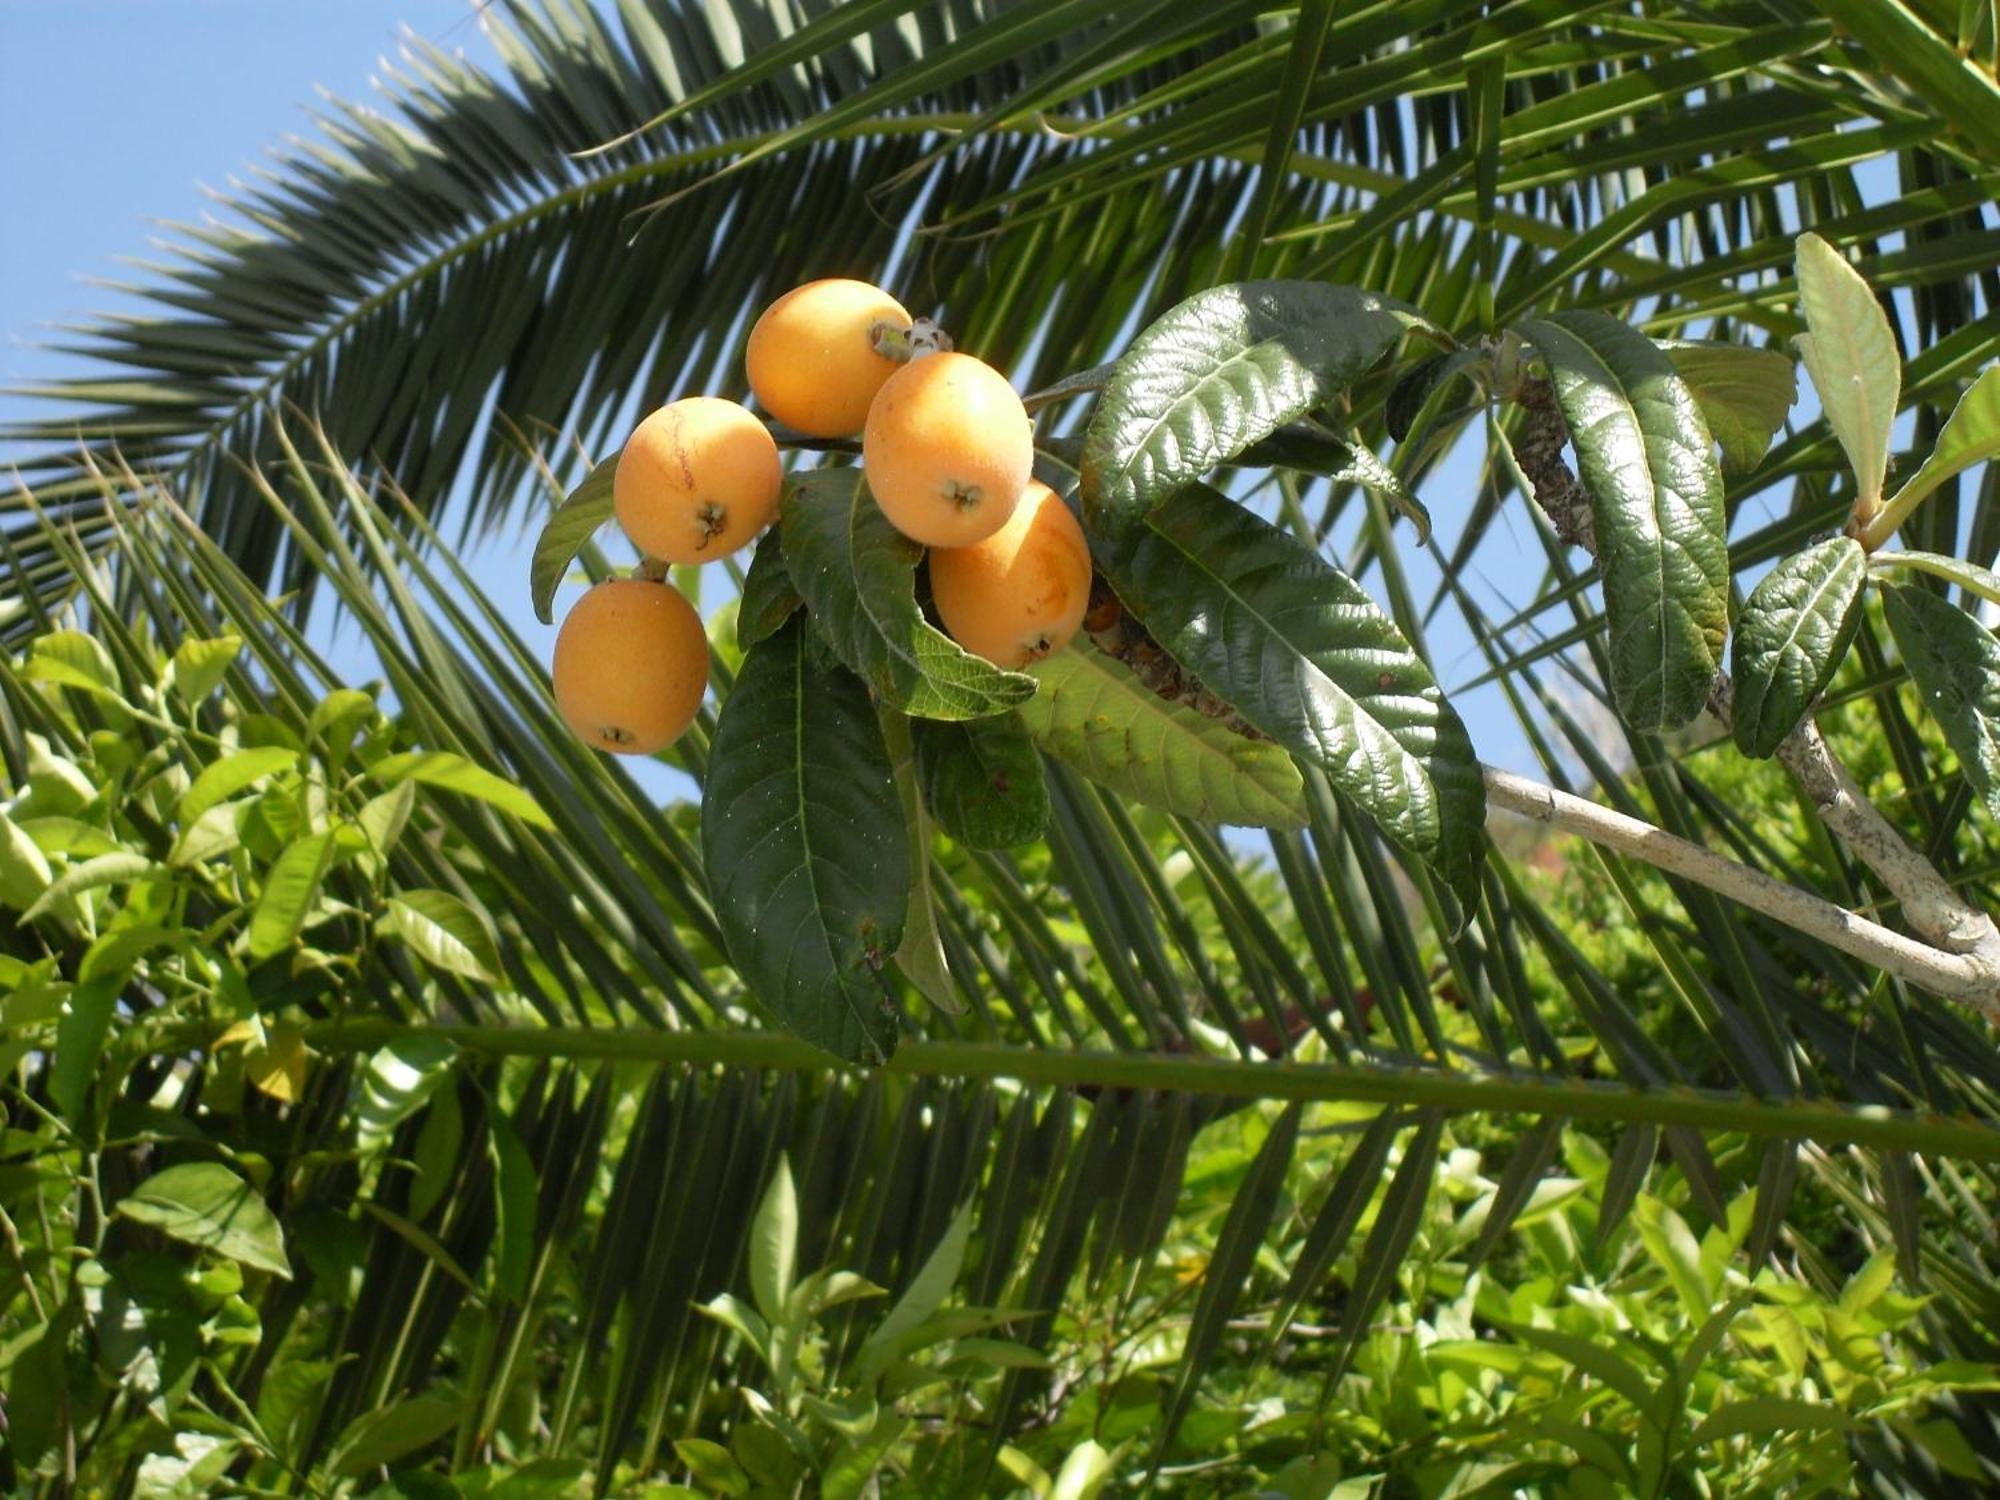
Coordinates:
631 665
812 356
1020 593
948 449
698 479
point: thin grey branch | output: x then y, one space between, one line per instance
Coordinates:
1973 977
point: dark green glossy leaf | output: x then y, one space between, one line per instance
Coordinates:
1225 368
1955 662
1795 628
1301 651
1095 716
1743 393
769 596
206 1204
858 576
574 522
1643 453
805 846
982 780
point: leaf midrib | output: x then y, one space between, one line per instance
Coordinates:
1214 373
1811 605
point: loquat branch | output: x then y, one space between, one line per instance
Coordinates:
1972 976
1958 954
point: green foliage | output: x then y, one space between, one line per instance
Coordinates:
1223 370
1744 394
1297 648
982 780
1790 639
857 575
1851 355
1094 715
803 834
391 1100
769 597
1955 662
583 511
1644 455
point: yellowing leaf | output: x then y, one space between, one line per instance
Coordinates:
279 1067
274 1057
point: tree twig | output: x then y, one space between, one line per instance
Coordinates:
1971 976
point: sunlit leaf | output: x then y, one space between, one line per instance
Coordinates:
1851 356
206 1204
1213 375
583 511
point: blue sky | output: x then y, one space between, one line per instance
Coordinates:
115 114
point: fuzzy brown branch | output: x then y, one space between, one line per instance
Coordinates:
1119 635
1540 454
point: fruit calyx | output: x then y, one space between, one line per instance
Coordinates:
923 336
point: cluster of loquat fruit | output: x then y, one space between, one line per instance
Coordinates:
947 448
